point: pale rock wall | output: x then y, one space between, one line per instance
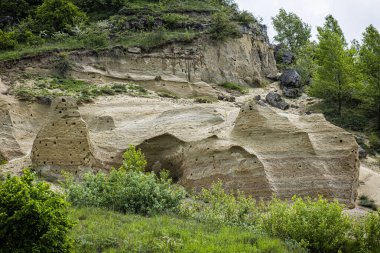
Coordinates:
246 61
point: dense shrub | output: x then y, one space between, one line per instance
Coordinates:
318 225
222 27
7 40
245 18
216 206
32 217
57 15
369 235
127 189
374 142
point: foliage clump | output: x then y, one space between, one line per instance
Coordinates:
57 15
128 189
32 217
222 27
233 86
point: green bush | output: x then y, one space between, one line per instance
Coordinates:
245 17
234 86
128 189
57 15
7 40
214 205
173 20
32 217
318 225
222 27
370 233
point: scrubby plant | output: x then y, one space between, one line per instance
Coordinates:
32 217
222 26
128 189
62 64
317 225
214 205
233 86
7 40
370 233
245 17
205 100
173 20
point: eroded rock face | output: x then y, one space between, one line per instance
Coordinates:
256 149
64 141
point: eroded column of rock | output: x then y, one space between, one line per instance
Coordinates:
302 155
64 141
9 147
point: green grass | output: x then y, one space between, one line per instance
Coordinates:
142 39
81 90
99 230
234 87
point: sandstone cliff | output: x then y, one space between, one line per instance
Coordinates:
254 148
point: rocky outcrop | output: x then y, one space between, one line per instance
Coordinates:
265 154
63 142
254 148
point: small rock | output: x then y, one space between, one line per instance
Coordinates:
275 100
258 98
260 102
291 92
134 50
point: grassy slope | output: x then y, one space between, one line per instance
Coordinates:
99 230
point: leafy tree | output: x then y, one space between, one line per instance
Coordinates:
32 217
18 9
334 76
370 66
292 32
56 15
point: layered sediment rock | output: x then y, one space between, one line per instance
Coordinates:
63 142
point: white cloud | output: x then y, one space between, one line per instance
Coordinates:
353 15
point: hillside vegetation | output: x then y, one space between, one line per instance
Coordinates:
68 25
130 210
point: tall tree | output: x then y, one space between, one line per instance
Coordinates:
292 32
334 76
370 66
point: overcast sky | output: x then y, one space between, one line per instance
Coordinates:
353 15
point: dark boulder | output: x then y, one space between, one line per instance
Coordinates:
275 100
291 83
291 79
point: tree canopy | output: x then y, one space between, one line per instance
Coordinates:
334 74
292 32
